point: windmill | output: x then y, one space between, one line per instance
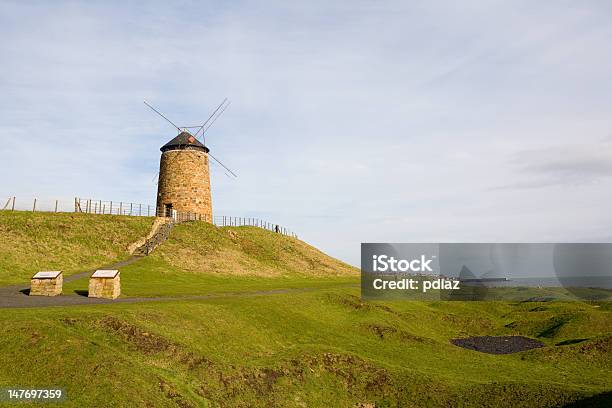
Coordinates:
184 176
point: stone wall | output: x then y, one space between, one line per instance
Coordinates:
46 287
107 288
184 182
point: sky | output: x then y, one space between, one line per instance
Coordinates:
350 122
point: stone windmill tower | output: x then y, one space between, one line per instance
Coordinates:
184 177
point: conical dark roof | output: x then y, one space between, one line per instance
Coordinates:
184 141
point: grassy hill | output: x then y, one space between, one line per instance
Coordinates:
34 241
284 326
245 251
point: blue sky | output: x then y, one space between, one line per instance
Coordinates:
350 121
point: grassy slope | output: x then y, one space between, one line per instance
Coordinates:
30 242
306 349
201 258
245 251
303 348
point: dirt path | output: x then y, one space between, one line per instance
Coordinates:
16 296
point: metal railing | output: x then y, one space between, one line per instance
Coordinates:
156 240
229 221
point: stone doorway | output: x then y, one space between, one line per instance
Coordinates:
168 210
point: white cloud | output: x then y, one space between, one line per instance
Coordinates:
350 121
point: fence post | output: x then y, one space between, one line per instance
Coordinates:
139 209
148 210
34 207
111 208
13 207
55 205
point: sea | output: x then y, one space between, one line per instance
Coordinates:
603 282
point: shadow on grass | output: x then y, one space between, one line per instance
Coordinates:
570 341
600 400
81 292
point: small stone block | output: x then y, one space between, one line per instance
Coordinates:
105 284
47 283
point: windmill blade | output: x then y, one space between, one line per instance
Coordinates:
210 117
217 117
223 170
224 166
160 114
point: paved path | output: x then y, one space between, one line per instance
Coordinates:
16 296
22 300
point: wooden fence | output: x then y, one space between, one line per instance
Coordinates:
90 206
102 207
36 204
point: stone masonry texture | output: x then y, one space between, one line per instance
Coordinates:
184 182
46 287
107 288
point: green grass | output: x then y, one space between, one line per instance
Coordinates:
201 258
201 248
151 277
31 242
316 344
320 348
